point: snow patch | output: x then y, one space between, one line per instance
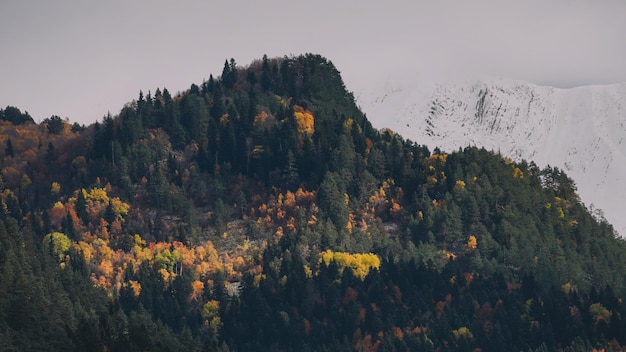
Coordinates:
581 130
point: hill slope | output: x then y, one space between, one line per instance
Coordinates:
261 211
580 130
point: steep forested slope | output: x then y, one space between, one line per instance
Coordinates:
261 211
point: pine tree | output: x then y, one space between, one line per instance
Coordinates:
229 74
55 124
266 79
81 207
9 149
290 172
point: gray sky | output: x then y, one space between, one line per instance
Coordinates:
80 59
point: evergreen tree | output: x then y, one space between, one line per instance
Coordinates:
9 151
55 124
290 172
266 79
229 74
332 199
15 116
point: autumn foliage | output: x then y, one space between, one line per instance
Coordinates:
261 211
304 120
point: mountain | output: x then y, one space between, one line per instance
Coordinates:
580 130
261 211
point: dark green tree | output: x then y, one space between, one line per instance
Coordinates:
266 79
54 124
9 151
332 199
15 116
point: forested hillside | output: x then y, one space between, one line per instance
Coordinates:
260 210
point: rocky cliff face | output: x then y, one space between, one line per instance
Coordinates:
581 130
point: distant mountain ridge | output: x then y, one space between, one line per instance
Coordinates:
580 130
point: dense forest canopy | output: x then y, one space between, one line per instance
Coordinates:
259 210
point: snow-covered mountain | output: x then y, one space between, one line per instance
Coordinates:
581 130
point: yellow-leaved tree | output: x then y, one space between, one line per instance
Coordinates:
57 244
211 316
304 120
360 263
471 243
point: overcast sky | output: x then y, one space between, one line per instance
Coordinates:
79 59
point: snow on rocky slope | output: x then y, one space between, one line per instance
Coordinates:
581 130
